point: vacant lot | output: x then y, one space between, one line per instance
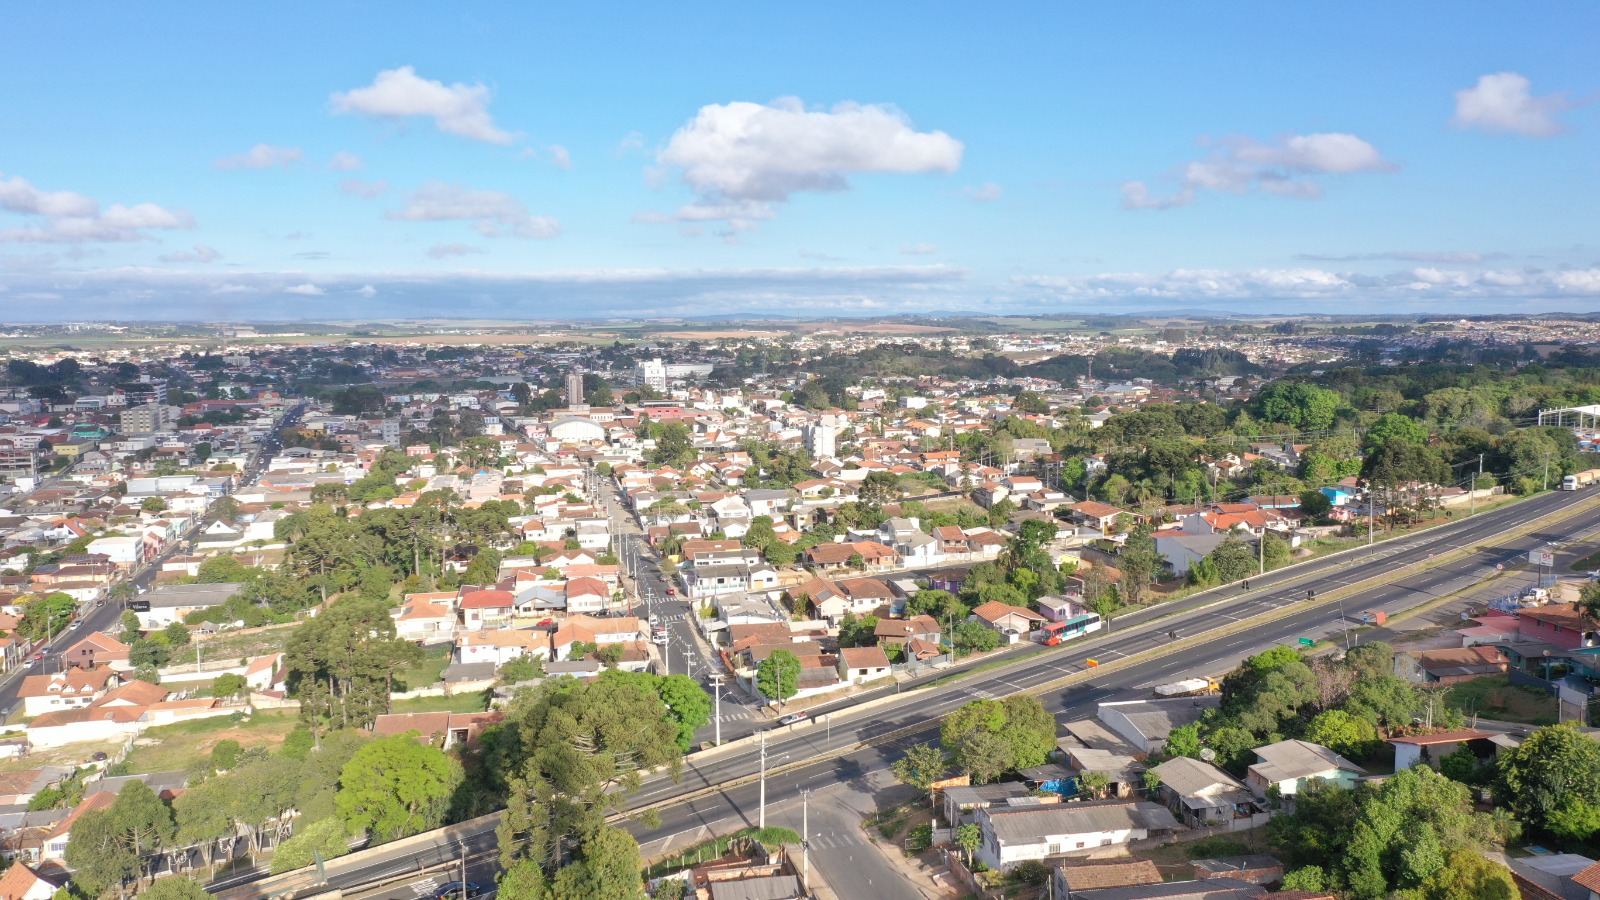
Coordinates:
186 746
1494 697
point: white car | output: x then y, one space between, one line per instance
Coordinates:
660 637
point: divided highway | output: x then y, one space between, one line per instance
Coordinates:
716 792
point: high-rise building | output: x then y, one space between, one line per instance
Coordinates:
821 438
145 418
653 375
575 388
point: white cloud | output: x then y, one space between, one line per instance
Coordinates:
491 211
1437 257
345 162
445 251
918 249
355 187
741 158
983 193
201 254
367 290
1502 102
71 217
261 156
458 109
631 142
306 290
1417 284
560 156
1287 167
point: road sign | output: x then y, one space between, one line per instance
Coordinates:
1541 557
1091 663
1307 642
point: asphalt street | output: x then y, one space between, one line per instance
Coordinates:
715 798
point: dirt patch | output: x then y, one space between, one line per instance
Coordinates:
732 335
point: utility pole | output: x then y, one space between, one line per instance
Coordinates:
716 685
1547 472
1472 492
761 816
805 833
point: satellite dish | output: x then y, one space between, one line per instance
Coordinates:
1208 754
1466 616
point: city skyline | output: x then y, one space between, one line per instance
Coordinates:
369 162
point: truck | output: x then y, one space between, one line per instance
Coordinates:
1580 479
1189 687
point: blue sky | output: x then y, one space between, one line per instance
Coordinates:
341 161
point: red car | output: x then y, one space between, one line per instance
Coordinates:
672 592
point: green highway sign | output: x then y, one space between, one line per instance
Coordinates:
1307 642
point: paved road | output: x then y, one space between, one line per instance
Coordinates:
862 772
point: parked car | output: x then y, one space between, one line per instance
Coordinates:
457 890
672 592
794 717
99 756
654 620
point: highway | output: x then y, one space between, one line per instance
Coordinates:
716 792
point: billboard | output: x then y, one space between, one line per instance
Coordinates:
1544 558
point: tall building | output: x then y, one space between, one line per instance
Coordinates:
145 418
575 388
390 432
821 438
653 375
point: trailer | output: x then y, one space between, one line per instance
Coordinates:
1189 687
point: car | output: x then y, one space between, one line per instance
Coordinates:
672 592
99 603
75 624
794 717
654 619
99 756
29 663
659 637
39 656
457 890
546 623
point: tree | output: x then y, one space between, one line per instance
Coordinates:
1105 606
1234 559
1589 600
860 632
1392 427
778 676
99 858
968 838
1315 504
1095 784
176 634
687 704
986 738
922 766
229 684
974 637
1552 780
1184 741
1468 876
1342 733
47 615
144 822
524 880
325 837
1298 405
394 787
607 868
1311 879
1140 564
153 505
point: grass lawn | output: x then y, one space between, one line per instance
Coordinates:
186 745
1587 564
476 701
1492 696
429 671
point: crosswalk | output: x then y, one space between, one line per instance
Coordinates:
836 840
425 887
736 715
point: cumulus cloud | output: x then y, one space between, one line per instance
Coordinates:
355 187
1503 102
201 254
446 251
70 217
560 156
1288 166
367 290
345 162
458 109
1437 257
261 156
1417 284
491 212
742 158
918 249
631 142
983 193
305 290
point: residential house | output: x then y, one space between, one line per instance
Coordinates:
70 688
1201 793
1017 834
587 595
962 801
480 609
167 603
1428 749
902 632
1182 549
837 556
1288 764
860 664
426 618
1099 516
1562 624
1014 622
22 883
97 649
444 730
